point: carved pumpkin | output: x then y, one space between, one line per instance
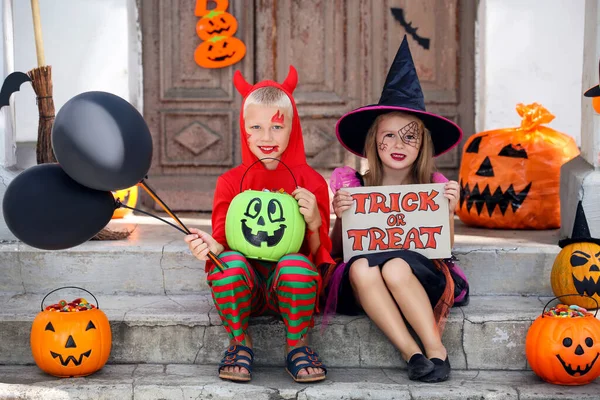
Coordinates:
128 197
564 351
219 52
576 268
68 344
216 23
509 178
264 225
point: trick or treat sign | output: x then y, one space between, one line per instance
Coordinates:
386 218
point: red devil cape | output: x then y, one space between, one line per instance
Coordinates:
259 178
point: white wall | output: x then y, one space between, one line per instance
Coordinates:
87 43
530 51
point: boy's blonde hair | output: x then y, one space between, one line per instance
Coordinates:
421 169
272 97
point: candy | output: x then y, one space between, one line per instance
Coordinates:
565 311
79 304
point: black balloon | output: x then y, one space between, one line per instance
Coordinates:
45 208
102 141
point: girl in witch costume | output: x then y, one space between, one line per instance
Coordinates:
269 127
399 139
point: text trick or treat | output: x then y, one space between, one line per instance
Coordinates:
509 178
70 339
563 345
264 225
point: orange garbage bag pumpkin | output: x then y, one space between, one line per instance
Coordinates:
509 178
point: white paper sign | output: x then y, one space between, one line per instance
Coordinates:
386 218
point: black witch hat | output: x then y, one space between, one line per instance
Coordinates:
401 92
581 231
594 91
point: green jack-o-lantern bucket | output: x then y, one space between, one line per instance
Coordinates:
264 225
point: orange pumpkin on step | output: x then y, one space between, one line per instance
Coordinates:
216 23
219 52
129 198
509 178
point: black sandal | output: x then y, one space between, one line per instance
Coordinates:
312 360
232 358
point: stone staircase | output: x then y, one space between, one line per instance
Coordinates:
167 336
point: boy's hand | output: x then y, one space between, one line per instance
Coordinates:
451 192
342 201
200 243
308 208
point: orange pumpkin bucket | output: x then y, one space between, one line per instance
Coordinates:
563 345
70 339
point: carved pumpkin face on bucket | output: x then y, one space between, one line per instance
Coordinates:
216 23
68 344
264 225
219 51
564 351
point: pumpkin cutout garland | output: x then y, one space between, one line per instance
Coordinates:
576 268
216 23
70 339
129 198
219 52
509 178
563 346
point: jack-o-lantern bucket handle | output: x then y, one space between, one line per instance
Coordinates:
267 158
70 287
568 295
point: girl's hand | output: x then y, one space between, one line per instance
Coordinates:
342 201
200 243
451 192
308 208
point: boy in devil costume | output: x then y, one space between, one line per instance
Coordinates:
269 127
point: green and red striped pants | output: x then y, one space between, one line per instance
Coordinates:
288 287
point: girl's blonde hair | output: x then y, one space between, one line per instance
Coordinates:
272 97
421 169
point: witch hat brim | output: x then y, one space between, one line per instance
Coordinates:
401 92
593 92
581 230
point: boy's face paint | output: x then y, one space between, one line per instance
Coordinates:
398 141
267 136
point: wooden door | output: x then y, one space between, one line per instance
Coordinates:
342 50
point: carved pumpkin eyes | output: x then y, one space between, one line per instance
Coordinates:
567 342
253 208
49 327
275 211
474 145
577 260
90 325
589 342
513 151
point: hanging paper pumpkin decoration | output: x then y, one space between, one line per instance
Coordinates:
219 52
70 344
128 197
564 350
216 23
264 225
576 268
509 178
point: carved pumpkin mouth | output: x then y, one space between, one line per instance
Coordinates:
218 31
499 198
587 285
262 236
71 358
225 57
579 371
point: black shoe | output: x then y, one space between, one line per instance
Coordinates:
440 373
419 366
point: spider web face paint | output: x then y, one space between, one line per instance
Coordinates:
410 134
278 118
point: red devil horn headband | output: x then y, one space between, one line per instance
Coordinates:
243 87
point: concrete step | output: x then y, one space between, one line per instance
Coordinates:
488 334
179 382
155 260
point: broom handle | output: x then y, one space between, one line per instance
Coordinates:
37 30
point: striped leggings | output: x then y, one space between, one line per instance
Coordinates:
288 287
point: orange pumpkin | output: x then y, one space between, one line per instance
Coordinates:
68 344
576 269
596 104
509 178
128 197
216 23
564 351
219 52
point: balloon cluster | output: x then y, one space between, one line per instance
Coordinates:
102 144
